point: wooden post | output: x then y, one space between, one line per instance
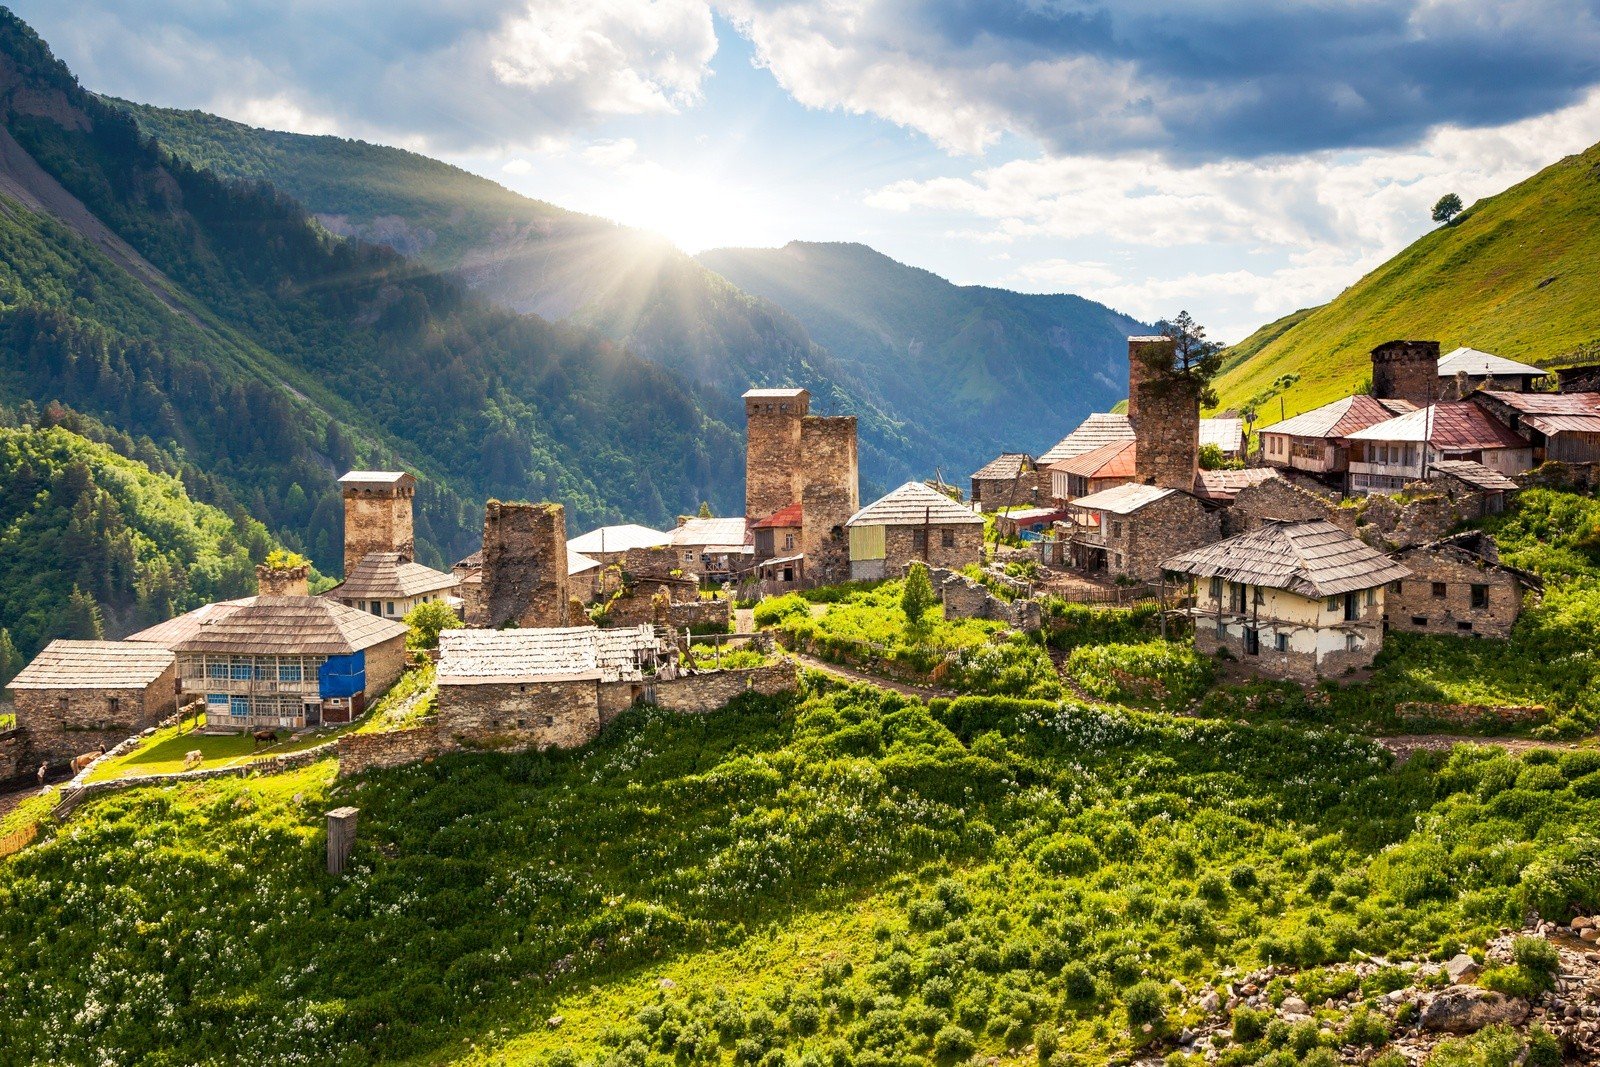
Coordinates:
341 837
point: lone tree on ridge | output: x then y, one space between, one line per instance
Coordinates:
1448 207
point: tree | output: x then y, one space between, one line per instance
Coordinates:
1448 207
425 621
1193 363
705 510
82 618
917 597
10 658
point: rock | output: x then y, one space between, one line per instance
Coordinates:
667 983
1295 1006
1590 933
1583 922
554 1022
1210 1003
1395 996
1465 1009
1233 1002
1460 968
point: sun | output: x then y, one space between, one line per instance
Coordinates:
693 209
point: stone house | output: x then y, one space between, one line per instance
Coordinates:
778 534
1457 586
1301 600
583 577
1313 441
1226 434
1564 427
1467 369
608 544
540 688
1275 498
1223 486
521 576
388 584
281 661
1127 531
1010 480
1106 467
79 696
714 549
1473 489
795 457
1385 457
914 522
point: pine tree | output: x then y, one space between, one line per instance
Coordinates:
918 596
10 658
83 621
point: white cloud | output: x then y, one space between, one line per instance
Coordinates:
517 166
611 154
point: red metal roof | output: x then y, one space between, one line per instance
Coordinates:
1461 426
1115 460
783 519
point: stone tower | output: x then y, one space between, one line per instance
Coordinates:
1165 414
377 514
524 565
773 419
283 581
1406 370
795 457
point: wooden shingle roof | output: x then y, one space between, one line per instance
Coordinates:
1007 465
1313 559
1475 474
273 625
565 653
914 504
93 665
390 576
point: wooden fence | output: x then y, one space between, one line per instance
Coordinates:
18 839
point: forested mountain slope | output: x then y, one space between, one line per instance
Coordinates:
293 355
1513 275
1006 371
531 256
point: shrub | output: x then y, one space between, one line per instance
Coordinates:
1146 1004
1067 856
1538 957
1249 1024
1157 672
776 610
1243 877
1077 981
1366 1028
954 1042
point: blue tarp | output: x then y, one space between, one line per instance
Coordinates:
343 676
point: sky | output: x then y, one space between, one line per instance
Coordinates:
1236 158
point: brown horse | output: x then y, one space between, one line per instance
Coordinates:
80 762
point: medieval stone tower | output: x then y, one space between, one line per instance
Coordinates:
1165 414
795 457
1406 370
377 514
524 565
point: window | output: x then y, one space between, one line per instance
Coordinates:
1216 589
919 539
1372 598
1480 597
1236 597
1464 627
240 670
113 704
1352 607
1351 643
1333 603
290 672
1116 529
788 540
1419 620
389 607
1280 642
947 538
688 557
1395 586
1259 597
376 607
1252 641
1439 590
217 671
239 707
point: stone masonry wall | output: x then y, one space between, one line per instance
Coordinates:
377 520
829 459
12 744
88 722
1165 414
385 663
825 509
1406 370
1275 499
520 715
1174 524
772 442
1452 612
359 753
699 693
964 598
899 543
524 565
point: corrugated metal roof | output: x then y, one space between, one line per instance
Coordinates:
1226 434
1553 424
1481 364
93 665
787 518
911 505
389 576
567 653
1123 499
1474 473
1313 559
1458 426
578 563
696 533
1100 428
1341 418
1115 460
1225 485
1546 403
273 625
1007 465
608 539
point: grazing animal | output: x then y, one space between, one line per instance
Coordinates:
193 758
80 762
265 735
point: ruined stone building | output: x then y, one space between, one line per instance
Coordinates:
1300 600
913 523
1457 586
1164 410
1011 480
794 457
1127 531
83 696
380 574
1406 370
1472 489
521 576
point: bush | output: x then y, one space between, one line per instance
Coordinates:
1249 1024
1366 1028
1538 957
954 1042
776 610
1077 981
1243 877
1162 673
1146 1004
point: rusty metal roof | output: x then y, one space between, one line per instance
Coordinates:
787 518
1114 460
1341 418
1312 559
1546 403
1457 427
93 665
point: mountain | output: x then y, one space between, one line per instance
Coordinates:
219 324
530 256
1002 371
1513 275
96 543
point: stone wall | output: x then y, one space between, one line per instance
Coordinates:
695 694
655 563
524 565
829 459
283 581
377 518
772 443
1471 713
1165 414
900 548
1406 370
520 715
385 662
964 598
12 751
1388 523
825 508
1278 499
359 753
1417 607
60 724
1157 531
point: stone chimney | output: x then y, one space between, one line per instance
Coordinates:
1165 414
1406 370
283 581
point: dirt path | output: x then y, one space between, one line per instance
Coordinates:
853 674
1404 746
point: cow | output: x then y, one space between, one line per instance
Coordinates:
80 762
268 736
193 758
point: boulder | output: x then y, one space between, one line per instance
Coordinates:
1211 1003
1295 1006
1465 1009
1460 968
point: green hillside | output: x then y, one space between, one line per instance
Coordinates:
1005 371
1513 275
218 321
531 256
94 544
